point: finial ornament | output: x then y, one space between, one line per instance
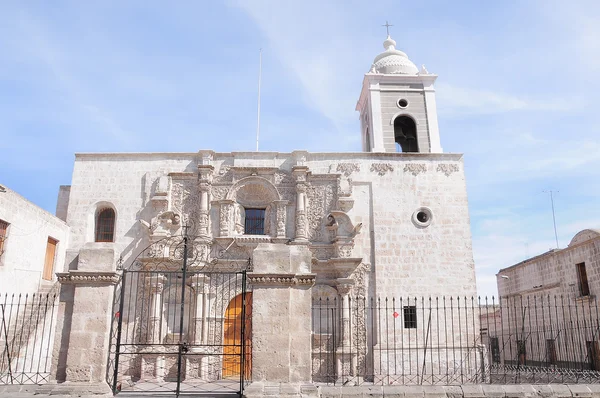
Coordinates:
387 28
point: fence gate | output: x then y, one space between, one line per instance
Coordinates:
181 323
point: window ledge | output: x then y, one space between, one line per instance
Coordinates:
253 239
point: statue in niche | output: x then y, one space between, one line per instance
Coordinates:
239 217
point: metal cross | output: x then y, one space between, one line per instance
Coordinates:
387 27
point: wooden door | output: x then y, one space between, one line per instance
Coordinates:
232 337
49 260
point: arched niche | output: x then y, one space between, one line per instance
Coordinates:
254 209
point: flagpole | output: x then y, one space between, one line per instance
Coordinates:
258 111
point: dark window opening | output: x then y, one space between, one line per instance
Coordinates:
584 288
551 351
3 234
105 225
495 349
255 222
402 103
405 134
367 140
422 217
410 317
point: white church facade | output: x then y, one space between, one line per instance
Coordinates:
168 251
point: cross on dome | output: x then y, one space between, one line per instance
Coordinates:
392 61
387 28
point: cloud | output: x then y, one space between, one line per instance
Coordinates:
318 54
463 101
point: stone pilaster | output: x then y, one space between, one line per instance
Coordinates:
83 326
281 323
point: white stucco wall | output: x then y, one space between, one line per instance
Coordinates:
22 262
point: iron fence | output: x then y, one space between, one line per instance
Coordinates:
455 340
26 333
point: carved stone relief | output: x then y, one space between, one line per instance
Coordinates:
219 192
321 197
225 174
381 168
447 168
359 330
415 168
281 219
322 252
225 218
347 168
254 195
282 177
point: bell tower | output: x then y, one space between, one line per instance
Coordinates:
397 105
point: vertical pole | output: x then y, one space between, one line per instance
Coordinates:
6 342
243 334
182 309
258 111
553 216
119 328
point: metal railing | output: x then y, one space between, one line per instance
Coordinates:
26 333
455 340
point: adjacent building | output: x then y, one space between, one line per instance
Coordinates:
32 245
549 309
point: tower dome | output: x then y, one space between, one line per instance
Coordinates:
393 61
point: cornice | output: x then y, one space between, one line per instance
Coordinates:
93 278
281 279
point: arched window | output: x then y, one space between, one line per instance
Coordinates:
405 134
105 225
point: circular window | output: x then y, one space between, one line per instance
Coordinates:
402 103
422 217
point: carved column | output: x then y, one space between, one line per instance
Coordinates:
301 216
156 284
200 285
205 175
344 289
204 210
346 356
225 217
197 365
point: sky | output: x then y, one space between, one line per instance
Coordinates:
516 93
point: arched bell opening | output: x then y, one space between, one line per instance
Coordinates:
405 134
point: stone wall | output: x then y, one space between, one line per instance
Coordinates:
384 191
553 272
